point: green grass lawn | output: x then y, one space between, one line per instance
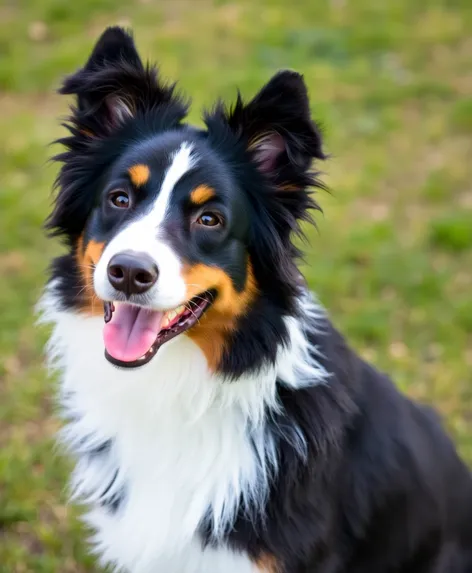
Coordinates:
392 258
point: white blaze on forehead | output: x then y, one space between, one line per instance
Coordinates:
182 162
142 235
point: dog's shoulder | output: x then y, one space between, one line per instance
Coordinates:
403 484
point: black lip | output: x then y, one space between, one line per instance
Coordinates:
199 305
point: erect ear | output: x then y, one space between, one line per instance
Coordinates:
278 131
114 44
114 85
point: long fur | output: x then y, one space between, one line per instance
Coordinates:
175 450
257 441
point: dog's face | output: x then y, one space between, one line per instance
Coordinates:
175 229
169 233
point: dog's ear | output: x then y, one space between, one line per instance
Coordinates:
111 89
114 86
277 129
114 44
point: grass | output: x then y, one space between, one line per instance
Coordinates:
392 260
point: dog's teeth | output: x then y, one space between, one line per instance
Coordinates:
172 314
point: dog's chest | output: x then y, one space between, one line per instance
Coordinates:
154 497
159 454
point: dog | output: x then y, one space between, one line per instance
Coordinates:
218 421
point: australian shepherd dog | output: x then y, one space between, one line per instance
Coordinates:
218 421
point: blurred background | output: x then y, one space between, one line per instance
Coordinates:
390 80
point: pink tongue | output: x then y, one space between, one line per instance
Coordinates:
131 332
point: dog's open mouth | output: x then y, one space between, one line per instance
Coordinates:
133 334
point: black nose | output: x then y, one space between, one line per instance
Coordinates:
132 273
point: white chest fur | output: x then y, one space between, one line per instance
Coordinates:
185 445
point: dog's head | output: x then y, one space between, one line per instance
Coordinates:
177 229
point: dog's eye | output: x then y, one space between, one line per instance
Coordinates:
209 219
119 199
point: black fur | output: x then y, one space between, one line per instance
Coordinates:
367 482
379 489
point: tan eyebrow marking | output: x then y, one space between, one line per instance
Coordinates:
139 174
201 194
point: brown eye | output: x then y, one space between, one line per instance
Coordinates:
209 219
119 199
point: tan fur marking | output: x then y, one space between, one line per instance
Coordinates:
201 194
289 187
211 331
87 132
267 564
86 259
139 174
